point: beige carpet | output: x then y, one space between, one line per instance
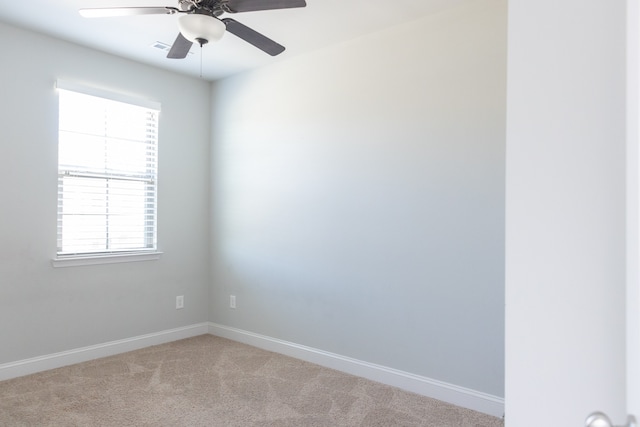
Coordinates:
211 381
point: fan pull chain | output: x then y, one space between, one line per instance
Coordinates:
201 42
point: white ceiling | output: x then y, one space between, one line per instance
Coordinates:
321 23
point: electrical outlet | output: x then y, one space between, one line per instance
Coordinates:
232 301
179 302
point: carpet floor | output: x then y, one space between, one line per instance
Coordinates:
212 381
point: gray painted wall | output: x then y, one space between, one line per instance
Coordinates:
359 198
45 310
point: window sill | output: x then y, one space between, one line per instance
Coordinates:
79 260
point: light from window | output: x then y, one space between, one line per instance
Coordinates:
107 173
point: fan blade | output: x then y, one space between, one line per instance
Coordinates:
234 6
180 48
252 36
127 11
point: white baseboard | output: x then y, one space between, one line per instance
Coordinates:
460 396
65 358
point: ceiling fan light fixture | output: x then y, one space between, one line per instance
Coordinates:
201 29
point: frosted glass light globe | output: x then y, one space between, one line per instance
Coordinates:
195 27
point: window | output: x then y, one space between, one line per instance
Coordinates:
107 173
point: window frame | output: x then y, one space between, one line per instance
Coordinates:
119 255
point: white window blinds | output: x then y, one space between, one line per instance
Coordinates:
107 175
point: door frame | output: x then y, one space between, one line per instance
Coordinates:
633 208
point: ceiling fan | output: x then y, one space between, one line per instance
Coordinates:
200 23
